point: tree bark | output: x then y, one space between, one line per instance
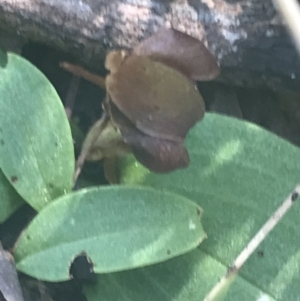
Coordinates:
247 37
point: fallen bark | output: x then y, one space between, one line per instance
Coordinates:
247 37
10 289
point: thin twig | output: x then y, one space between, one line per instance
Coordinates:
81 72
253 244
71 95
98 128
290 11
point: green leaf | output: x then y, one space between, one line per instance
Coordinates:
185 278
10 201
117 227
36 148
239 174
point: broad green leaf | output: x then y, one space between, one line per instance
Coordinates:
117 227
239 174
10 201
36 149
185 278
